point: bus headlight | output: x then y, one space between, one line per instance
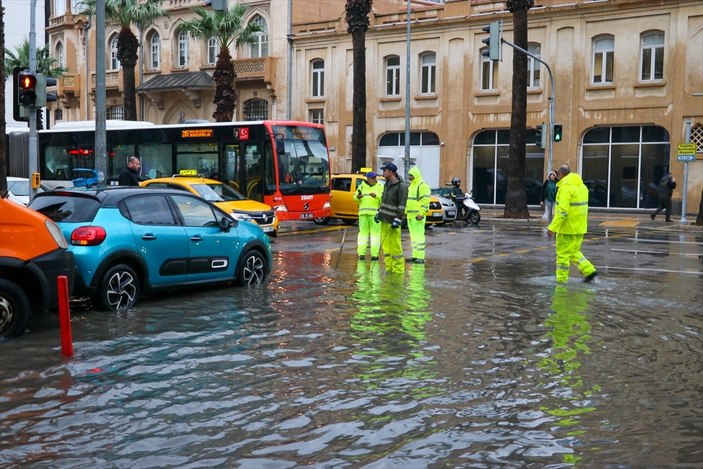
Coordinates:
326 206
280 208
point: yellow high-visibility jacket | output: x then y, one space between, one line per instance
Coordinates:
418 195
571 212
368 205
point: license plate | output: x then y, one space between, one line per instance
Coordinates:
267 229
304 216
451 213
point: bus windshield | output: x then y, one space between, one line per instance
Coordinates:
303 163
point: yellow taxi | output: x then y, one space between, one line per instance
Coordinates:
342 189
224 197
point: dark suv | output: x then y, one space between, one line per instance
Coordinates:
131 240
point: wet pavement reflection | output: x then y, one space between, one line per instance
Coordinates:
475 359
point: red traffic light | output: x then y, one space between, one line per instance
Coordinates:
28 82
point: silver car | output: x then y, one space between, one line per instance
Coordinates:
448 206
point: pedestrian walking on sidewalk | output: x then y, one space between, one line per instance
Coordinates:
570 224
549 195
667 184
368 196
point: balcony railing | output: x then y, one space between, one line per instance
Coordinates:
260 68
69 83
113 81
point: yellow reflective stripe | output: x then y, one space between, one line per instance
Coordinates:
578 204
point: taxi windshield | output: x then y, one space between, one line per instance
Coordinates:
217 192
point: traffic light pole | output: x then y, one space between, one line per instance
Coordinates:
552 101
32 150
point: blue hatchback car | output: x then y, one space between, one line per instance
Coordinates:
132 240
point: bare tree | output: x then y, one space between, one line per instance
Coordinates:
357 14
516 197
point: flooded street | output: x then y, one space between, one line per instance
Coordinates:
476 359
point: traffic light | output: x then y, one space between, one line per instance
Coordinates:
24 93
43 82
556 135
541 136
492 42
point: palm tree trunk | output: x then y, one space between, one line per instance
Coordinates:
225 95
516 198
127 47
359 101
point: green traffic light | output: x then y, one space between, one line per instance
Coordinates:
557 132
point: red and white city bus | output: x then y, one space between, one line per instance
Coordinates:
284 164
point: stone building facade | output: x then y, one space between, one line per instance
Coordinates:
628 89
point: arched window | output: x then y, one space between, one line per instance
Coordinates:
182 49
603 59
154 50
60 54
114 62
392 67
533 66
256 109
652 58
318 78
212 50
428 73
260 48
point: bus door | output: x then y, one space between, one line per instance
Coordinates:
249 165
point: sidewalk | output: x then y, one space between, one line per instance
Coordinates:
605 219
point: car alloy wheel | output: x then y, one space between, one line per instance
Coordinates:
119 288
252 269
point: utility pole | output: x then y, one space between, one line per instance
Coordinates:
33 143
407 92
100 125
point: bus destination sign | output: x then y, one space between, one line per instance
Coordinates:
197 133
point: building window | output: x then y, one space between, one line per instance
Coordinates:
533 66
58 115
491 154
393 75
212 50
489 73
318 78
317 116
428 73
114 62
622 166
183 49
60 55
154 51
652 56
260 48
603 59
256 109
115 113
59 7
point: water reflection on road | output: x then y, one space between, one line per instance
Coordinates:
335 363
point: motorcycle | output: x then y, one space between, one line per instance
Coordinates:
471 212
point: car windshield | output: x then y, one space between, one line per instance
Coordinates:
18 187
217 192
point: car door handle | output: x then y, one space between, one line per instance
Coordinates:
196 238
148 237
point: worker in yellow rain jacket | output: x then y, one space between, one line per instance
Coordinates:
390 216
570 223
415 210
368 196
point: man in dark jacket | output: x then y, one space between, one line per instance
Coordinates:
129 175
390 215
667 184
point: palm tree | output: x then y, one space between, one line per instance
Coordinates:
357 13
46 64
515 197
226 27
125 13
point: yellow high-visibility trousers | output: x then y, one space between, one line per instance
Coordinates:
392 248
569 250
417 237
369 231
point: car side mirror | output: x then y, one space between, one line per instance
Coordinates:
226 224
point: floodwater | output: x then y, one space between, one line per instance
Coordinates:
476 359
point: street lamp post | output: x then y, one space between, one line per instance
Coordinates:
407 92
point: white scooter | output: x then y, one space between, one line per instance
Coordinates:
471 212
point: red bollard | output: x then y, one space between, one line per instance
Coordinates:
64 316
